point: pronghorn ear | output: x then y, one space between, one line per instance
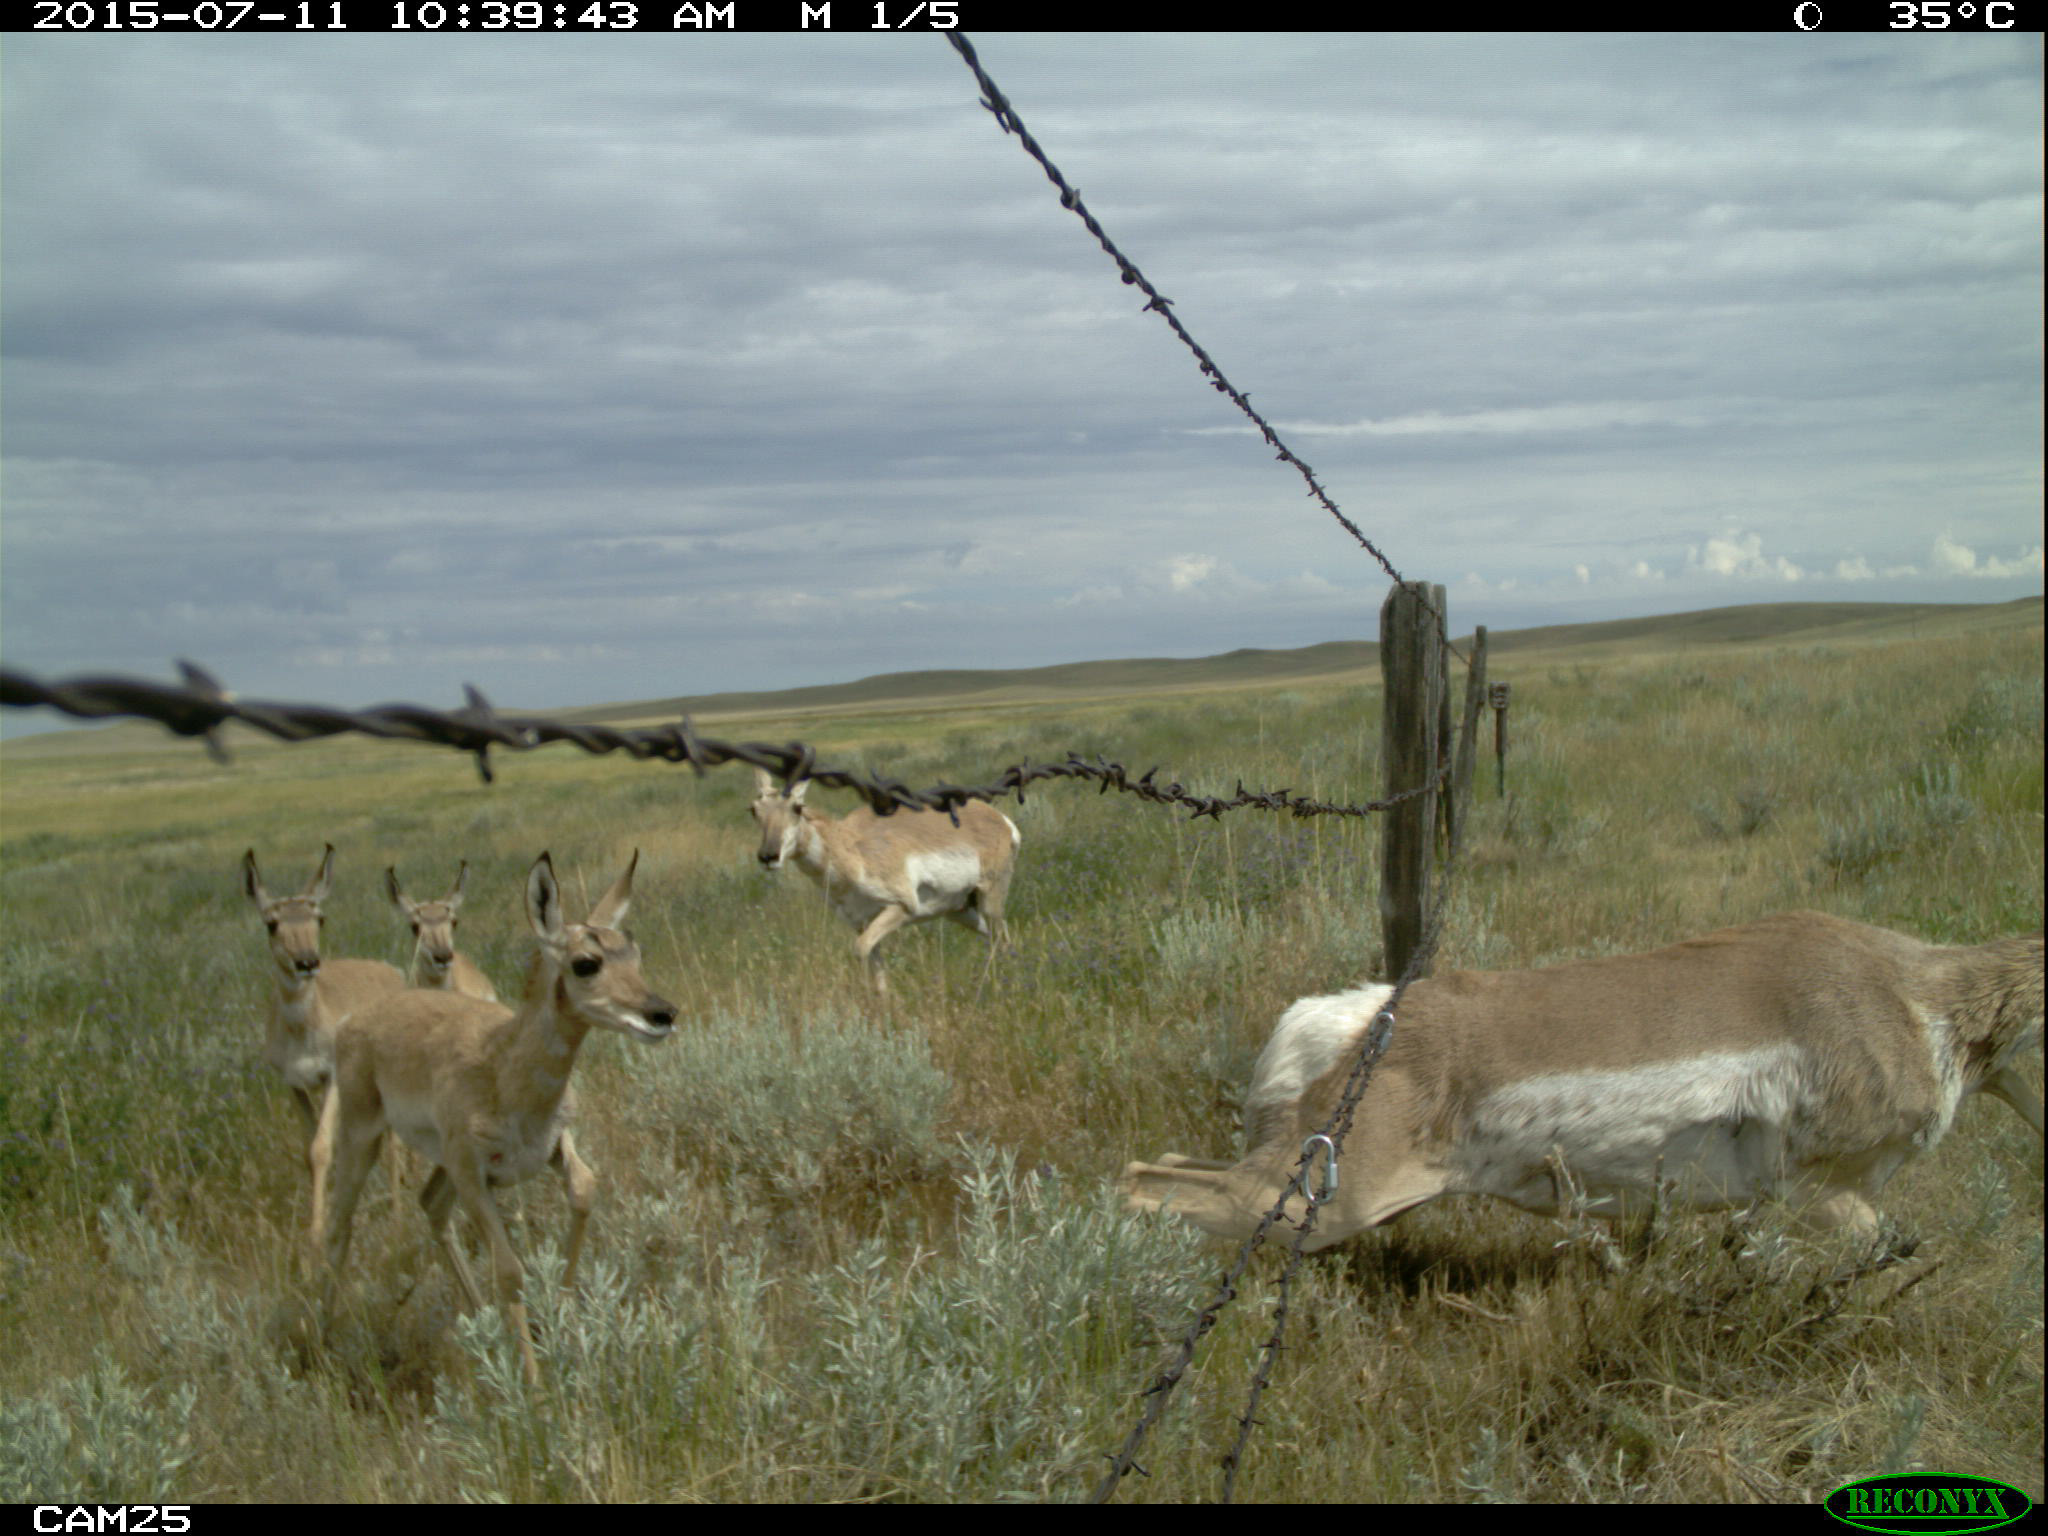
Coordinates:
324 881
455 896
544 903
763 782
610 910
797 791
253 882
391 888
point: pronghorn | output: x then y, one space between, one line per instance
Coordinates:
311 996
437 965
481 1091
883 872
1801 1056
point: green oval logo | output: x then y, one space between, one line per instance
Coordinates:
1927 1502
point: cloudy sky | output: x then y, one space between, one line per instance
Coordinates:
600 368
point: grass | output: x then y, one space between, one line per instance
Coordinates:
849 1250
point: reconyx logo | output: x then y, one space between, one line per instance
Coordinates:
1927 1502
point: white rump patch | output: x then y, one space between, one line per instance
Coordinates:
1311 1037
941 879
1714 1125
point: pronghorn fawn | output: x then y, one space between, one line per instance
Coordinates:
882 873
311 995
482 1091
437 965
1802 1057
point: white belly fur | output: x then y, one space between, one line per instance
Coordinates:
941 881
932 885
1713 1125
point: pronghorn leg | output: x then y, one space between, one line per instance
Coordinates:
354 1151
581 1185
991 897
308 1109
974 917
886 922
394 1164
319 1158
437 1199
1205 1164
312 1107
2007 1085
463 1171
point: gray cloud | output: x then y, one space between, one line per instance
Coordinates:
359 366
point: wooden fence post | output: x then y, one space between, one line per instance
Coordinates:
1498 696
1412 676
1468 742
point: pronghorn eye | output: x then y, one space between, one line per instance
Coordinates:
270 923
586 965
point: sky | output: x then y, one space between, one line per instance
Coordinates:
359 367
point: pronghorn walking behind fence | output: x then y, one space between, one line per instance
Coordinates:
884 873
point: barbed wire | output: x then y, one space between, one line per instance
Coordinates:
1379 1036
199 706
1006 117
1380 1032
1372 1047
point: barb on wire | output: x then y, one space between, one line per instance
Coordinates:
1378 1036
198 706
1006 117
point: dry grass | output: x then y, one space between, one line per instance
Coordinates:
849 1250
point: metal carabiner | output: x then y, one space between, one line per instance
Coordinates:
1329 1149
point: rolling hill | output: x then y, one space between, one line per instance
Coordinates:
1712 628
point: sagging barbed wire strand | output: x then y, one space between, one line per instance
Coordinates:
1379 1035
1006 116
199 706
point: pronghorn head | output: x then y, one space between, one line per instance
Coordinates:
293 921
596 963
433 922
780 813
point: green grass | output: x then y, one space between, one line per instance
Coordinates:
849 1250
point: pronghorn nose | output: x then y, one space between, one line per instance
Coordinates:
659 1012
306 965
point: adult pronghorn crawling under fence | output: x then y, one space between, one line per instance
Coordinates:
1801 1056
311 995
483 1092
881 873
437 965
